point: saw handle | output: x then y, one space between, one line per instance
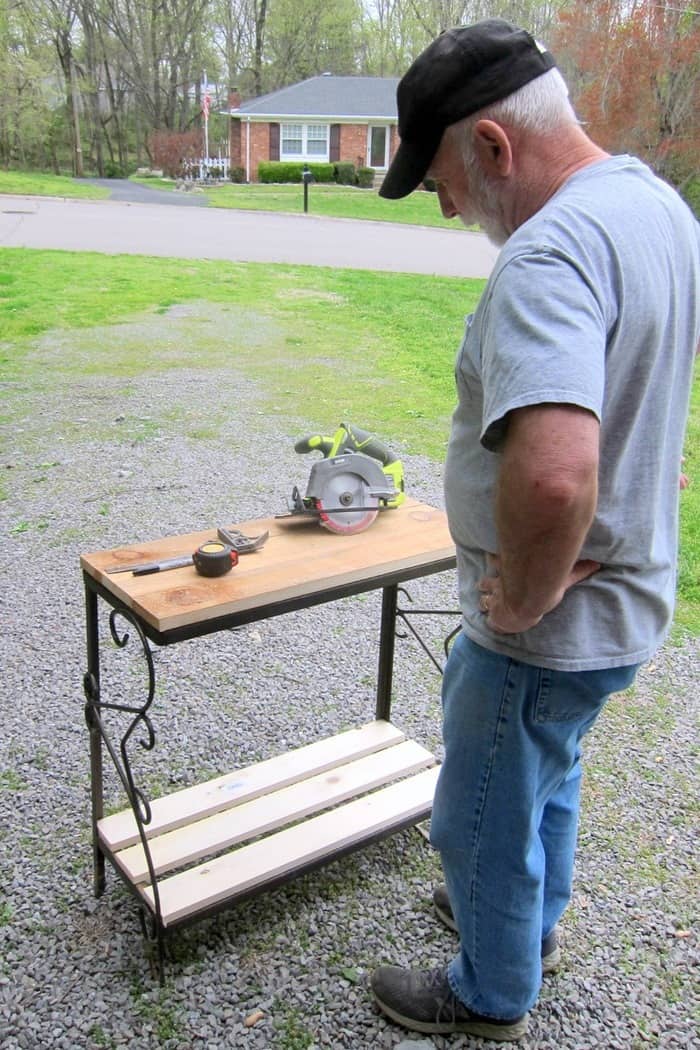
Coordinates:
347 438
315 443
362 441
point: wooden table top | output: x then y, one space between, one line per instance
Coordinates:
301 562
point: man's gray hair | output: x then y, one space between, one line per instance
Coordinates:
542 105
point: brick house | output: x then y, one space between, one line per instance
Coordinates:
325 118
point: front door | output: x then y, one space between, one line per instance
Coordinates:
378 146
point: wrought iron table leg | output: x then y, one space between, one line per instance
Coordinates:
387 637
92 692
139 730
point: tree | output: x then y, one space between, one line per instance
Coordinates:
394 32
390 37
56 19
31 126
163 43
308 37
233 34
88 16
634 69
434 16
240 28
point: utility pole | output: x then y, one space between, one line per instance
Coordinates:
76 121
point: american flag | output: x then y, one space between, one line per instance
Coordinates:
206 97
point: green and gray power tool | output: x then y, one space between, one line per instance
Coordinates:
357 477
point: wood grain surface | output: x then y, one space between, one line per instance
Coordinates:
299 559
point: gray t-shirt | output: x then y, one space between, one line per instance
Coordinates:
593 302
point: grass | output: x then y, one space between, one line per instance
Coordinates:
341 202
366 344
688 610
329 345
11 781
44 185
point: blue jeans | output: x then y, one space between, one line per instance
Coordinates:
505 814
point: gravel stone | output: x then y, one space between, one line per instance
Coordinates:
87 473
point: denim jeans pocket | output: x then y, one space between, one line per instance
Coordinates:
567 695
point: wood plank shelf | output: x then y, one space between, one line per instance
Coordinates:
272 819
194 803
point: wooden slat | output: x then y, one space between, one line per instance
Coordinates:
299 560
183 807
287 851
265 814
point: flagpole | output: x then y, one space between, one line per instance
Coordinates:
205 110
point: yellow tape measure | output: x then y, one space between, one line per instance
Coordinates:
214 559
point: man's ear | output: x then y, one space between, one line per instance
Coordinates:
493 148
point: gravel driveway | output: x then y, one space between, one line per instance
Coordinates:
91 464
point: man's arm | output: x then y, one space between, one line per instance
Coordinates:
545 501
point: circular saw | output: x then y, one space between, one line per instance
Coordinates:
357 478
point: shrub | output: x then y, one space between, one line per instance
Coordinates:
278 171
429 185
345 174
365 178
290 171
174 151
236 174
322 172
113 170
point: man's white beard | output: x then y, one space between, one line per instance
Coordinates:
493 228
484 207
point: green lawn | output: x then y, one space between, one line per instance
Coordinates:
366 344
37 184
338 202
339 344
342 202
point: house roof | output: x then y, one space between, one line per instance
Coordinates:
327 96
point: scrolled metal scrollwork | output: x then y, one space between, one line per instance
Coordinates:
91 688
122 640
405 614
138 799
139 723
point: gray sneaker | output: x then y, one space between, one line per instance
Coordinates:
551 952
423 1001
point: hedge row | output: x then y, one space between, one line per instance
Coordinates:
345 174
290 171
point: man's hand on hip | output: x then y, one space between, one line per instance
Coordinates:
492 603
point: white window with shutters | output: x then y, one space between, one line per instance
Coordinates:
304 142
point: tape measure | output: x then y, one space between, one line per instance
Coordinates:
214 559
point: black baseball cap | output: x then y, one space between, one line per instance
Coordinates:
462 71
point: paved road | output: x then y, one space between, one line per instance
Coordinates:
173 230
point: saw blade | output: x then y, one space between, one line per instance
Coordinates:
351 507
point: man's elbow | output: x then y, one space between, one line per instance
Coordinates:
567 491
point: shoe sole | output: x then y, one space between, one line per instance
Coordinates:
550 962
499 1033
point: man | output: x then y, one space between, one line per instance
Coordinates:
561 488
